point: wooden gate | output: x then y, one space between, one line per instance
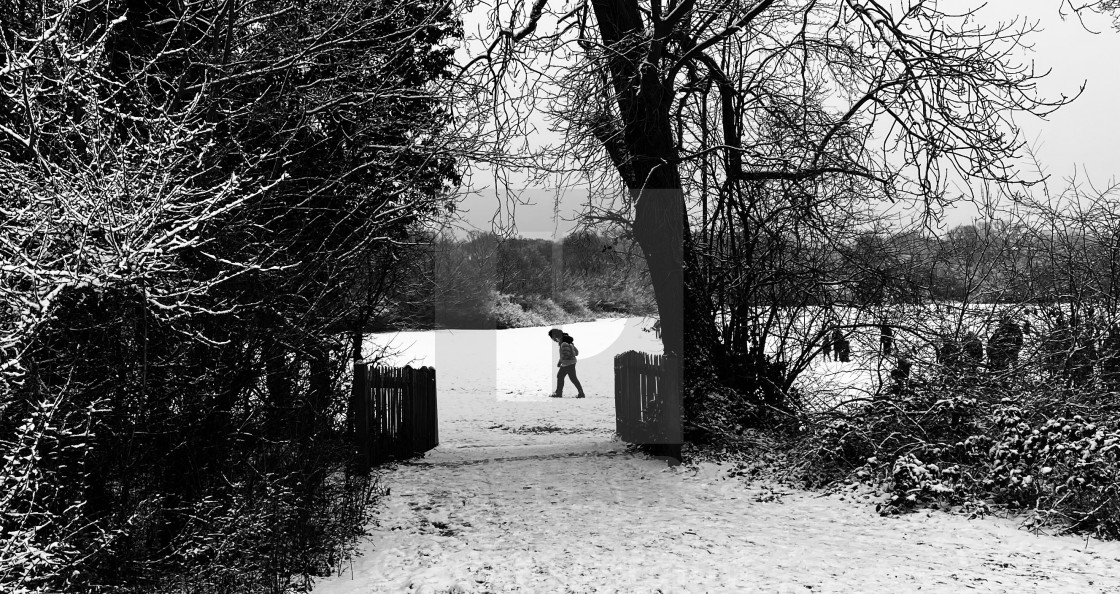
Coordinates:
393 413
647 399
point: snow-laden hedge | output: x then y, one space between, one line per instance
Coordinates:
1017 440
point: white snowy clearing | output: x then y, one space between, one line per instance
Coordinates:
530 494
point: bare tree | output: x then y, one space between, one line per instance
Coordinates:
695 106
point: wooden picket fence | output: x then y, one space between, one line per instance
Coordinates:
647 398
393 413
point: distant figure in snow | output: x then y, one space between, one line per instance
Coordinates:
842 346
1059 317
1058 346
886 338
973 350
1004 344
826 344
900 375
567 364
948 349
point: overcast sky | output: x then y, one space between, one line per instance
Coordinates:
1080 138
1084 134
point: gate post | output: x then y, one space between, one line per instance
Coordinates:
359 403
672 396
407 431
434 400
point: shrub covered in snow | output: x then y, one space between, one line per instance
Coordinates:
175 280
544 307
716 412
573 303
508 314
1013 440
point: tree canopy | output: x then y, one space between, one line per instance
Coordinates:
716 116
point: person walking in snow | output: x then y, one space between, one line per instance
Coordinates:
886 338
826 344
972 349
841 345
567 364
1004 344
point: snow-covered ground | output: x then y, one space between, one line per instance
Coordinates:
519 363
829 382
531 494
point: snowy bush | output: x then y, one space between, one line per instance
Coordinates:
1067 466
42 535
508 314
716 412
545 308
913 481
259 535
1008 440
178 266
573 303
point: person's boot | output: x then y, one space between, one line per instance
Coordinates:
557 394
581 395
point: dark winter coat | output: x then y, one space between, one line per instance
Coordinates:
568 351
1004 345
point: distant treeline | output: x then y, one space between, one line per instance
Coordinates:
990 262
489 281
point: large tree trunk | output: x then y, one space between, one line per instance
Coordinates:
651 160
649 163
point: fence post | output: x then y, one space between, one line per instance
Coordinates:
394 415
629 412
408 412
671 396
620 386
430 395
382 394
674 388
634 389
419 411
360 405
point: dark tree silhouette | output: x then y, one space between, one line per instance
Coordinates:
198 202
693 106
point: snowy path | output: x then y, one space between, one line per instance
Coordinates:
530 494
558 507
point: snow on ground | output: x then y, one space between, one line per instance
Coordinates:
519 363
531 494
829 382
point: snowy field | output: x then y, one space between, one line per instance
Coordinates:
519 363
493 385
829 382
531 494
